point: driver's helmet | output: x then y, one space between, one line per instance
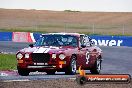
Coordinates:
50 41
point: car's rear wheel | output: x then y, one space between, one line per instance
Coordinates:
97 67
23 72
71 70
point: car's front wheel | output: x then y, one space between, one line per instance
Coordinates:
71 70
97 67
23 72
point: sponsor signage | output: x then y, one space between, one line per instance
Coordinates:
112 40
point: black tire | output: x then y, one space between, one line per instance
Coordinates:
96 69
71 69
81 80
23 72
50 72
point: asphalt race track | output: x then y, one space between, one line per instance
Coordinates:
117 60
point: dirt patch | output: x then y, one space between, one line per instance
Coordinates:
60 21
35 17
59 83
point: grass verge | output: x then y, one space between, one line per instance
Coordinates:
8 62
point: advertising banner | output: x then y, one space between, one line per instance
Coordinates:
112 40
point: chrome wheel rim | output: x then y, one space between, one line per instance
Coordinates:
98 65
73 66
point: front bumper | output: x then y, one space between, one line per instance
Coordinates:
41 66
29 65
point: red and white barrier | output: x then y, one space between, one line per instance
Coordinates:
23 37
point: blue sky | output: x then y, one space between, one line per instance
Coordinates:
78 5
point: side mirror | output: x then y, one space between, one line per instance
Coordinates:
31 45
83 46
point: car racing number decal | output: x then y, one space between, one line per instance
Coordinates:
87 57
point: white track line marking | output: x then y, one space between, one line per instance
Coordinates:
3 74
16 80
72 78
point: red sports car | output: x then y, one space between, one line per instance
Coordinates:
60 52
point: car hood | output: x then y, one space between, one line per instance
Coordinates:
50 49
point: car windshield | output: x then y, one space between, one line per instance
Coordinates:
57 40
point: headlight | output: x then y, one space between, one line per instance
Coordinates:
53 56
62 56
19 56
26 55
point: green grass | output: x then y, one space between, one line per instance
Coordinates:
8 62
